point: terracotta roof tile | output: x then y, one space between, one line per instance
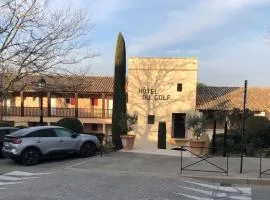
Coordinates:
208 98
228 98
88 84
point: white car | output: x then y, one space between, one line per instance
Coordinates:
29 145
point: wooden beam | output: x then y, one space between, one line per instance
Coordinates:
76 105
49 103
22 103
103 105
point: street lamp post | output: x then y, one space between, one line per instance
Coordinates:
41 86
243 126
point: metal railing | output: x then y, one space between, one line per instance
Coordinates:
202 158
12 111
58 112
94 113
62 112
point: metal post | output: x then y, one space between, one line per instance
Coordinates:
227 165
260 164
225 139
214 137
243 126
181 160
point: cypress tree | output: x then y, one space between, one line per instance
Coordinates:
119 93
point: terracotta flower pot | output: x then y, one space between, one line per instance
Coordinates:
127 141
197 146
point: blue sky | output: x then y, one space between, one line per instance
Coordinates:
229 37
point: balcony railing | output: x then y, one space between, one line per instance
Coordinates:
58 112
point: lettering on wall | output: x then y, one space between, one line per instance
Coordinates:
152 94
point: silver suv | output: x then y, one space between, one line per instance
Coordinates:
29 145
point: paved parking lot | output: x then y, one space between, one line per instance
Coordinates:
7 165
114 176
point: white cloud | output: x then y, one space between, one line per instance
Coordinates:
181 25
100 10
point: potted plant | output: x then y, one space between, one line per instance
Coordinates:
128 123
196 123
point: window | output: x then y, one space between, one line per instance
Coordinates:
42 133
67 100
94 127
94 102
151 119
73 101
179 87
62 132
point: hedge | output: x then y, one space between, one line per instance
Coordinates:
73 124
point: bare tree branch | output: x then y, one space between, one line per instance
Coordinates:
36 39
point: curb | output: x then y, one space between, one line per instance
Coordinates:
231 180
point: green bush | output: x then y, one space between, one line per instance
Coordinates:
258 131
21 126
267 153
256 123
250 149
73 124
5 124
233 143
162 135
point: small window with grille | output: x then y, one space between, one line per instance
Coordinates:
151 119
179 87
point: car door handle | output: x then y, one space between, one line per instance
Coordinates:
61 141
38 141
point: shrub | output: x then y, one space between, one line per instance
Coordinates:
21 126
128 122
233 143
5 124
267 153
162 135
196 122
258 131
73 124
257 123
250 149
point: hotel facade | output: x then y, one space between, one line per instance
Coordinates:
158 89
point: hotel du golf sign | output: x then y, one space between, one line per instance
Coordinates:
152 94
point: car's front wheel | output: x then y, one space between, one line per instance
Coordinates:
30 157
88 149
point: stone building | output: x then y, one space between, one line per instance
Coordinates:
161 89
158 89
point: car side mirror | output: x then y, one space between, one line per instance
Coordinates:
74 135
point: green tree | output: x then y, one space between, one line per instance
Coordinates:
119 93
197 123
199 84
